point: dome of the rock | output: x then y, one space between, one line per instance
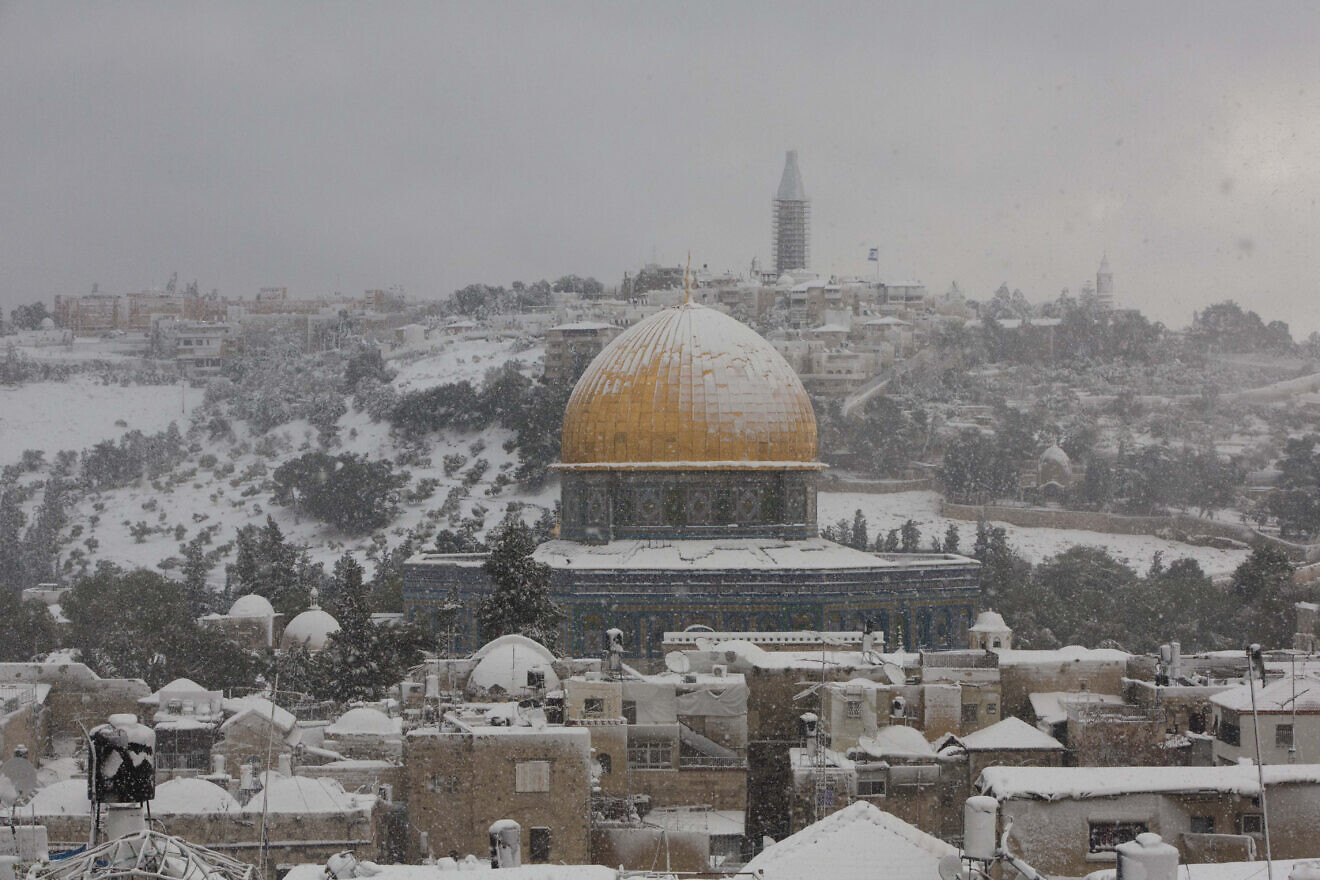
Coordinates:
689 387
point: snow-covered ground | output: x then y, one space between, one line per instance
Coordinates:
82 412
885 512
206 500
459 359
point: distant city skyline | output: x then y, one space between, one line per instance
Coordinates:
324 147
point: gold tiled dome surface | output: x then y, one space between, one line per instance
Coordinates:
689 386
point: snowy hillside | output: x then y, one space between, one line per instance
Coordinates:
224 480
885 512
84 411
224 484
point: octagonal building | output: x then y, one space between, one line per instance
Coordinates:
688 478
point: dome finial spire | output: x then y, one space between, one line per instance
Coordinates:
687 286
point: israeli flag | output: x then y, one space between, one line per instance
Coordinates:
874 256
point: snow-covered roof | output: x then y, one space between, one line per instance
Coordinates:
261 708
1277 696
302 794
1231 870
896 741
252 605
190 795
718 554
1009 734
1052 706
67 797
887 321
745 653
471 870
583 325
1062 783
988 621
859 842
1068 654
363 721
830 328
36 692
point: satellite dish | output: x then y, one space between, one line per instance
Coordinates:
951 868
704 644
677 661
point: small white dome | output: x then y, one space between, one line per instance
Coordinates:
65 798
990 621
362 721
186 795
1055 466
506 661
299 794
1057 455
252 605
312 628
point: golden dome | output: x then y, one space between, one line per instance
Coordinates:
689 387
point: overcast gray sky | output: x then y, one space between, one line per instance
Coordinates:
324 146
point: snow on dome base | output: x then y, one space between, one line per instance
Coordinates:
689 384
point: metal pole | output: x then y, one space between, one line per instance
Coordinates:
1253 654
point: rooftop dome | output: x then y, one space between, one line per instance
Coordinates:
251 605
185 795
505 662
312 628
989 621
299 794
1055 466
689 387
362 721
68 797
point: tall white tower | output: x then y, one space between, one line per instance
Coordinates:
791 220
1104 285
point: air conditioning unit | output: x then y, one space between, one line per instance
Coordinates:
385 792
719 670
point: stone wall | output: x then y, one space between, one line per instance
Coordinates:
1019 681
79 698
722 788
457 784
1053 835
24 726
